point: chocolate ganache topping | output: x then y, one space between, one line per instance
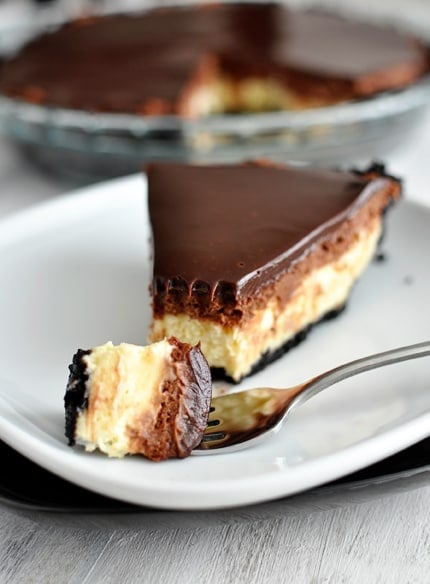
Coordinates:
228 231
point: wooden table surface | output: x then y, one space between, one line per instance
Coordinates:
378 533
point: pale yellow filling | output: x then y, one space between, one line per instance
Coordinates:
123 388
252 94
213 97
237 349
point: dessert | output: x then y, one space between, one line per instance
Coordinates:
199 60
127 399
248 257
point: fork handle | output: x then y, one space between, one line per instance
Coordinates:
320 382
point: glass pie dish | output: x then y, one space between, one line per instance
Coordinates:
85 145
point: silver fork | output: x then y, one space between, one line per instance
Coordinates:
243 419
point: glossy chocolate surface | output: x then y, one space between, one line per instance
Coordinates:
146 63
227 230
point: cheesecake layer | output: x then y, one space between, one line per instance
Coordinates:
239 350
199 60
260 255
126 399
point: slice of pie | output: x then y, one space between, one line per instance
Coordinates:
248 257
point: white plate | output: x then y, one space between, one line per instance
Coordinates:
75 273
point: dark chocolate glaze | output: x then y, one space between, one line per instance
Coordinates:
76 397
194 403
222 233
147 63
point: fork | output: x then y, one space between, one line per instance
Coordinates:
243 419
